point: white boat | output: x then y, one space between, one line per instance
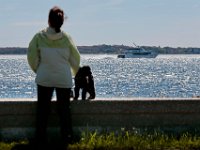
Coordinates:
136 52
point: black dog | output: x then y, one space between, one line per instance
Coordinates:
84 80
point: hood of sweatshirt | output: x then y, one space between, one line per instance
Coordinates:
51 34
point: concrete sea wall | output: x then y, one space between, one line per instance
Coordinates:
17 116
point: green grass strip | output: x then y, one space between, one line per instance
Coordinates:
126 140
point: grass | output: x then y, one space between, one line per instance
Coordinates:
10 145
155 141
129 141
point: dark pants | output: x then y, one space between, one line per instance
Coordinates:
43 109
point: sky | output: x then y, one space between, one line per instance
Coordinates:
173 23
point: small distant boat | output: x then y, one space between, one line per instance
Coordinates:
136 52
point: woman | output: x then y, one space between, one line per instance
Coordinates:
52 55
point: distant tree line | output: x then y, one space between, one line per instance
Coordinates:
13 50
111 49
171 50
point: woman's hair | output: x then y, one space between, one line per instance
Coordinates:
56 18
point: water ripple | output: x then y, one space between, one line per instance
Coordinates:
164 76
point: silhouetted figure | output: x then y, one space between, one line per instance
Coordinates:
84 80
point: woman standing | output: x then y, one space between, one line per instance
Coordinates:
52 55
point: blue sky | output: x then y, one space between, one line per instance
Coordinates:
174 23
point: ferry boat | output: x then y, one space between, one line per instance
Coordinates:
136 52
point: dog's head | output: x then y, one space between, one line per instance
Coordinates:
86 70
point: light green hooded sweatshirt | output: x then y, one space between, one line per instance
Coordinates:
53 57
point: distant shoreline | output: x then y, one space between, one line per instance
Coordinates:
111 49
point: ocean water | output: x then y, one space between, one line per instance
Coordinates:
164 76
